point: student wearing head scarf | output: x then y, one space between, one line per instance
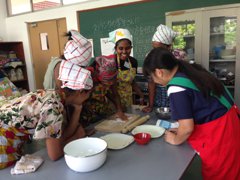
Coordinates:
42 114
163 37
77 50
98 106
126 65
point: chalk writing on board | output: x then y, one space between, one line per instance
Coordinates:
112 24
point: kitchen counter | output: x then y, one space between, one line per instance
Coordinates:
156 160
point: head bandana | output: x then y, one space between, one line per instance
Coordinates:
119 34
164 35
78 50
106 68
74 76
180 54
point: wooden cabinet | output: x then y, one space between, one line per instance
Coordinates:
12 63
217 41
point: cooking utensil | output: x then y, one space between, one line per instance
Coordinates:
86 154
163 113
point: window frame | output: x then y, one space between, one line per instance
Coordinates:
10 14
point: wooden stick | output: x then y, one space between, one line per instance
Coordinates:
136 123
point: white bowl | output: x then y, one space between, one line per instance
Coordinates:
86 154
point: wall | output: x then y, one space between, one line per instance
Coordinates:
16 27
3 15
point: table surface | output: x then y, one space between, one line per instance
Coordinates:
156 160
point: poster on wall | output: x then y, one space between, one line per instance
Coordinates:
107 47
91 41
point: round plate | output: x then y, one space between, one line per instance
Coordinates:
155 131
117 140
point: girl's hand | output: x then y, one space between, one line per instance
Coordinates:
121 115
169 137
147 109
141 100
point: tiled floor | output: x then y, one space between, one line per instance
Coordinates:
192 173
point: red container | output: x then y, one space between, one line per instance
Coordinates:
142 138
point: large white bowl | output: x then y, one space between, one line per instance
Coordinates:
86 154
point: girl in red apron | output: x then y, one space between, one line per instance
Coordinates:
208 118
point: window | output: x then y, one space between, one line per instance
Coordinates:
41 4
23 6
73 1
19 6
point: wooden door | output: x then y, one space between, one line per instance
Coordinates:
47 40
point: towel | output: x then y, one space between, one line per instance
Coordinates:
27 164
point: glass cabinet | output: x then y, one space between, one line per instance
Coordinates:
215 41
187 24
220 45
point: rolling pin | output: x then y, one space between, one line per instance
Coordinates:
136 123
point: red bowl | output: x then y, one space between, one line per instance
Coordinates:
142 138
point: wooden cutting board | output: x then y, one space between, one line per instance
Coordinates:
113 124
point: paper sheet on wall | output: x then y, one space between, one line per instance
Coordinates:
91 41
44 41
107 47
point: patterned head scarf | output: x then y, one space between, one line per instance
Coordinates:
74 76
78 50
119 34
164 35
180 54
106 69
78 53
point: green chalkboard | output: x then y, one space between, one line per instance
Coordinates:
140 18
97 24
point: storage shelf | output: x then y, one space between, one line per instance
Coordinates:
17 47
222 60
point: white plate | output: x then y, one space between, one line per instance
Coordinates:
117 140
155 131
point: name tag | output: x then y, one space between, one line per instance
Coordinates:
126 64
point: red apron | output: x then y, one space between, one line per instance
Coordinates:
217 142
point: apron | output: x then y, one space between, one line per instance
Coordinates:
218 141
124 84
96 107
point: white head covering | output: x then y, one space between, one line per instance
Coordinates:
74 76
164 35
78 50
119 34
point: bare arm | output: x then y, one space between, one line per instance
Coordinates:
56 74
73 131
151 91
137 89
115 98
185 129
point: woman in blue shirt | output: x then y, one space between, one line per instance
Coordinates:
208 118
